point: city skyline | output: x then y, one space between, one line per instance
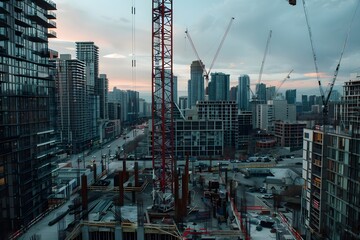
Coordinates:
111 29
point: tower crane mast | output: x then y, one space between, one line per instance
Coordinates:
207 72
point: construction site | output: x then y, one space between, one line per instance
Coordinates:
165 201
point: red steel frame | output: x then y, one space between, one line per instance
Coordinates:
162 95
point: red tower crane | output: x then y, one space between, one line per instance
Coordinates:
162 137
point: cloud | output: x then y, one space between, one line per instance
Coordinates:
109 25
114 55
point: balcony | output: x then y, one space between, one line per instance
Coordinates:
18 6
4 7
4 69
4 20
51 34
46 4
50 15
22 21
39 18
4 35
37 37
51 24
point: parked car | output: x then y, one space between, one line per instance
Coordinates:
102 183
267 196
262 190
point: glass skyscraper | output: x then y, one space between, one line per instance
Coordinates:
244 93
27 117
219 87
196 91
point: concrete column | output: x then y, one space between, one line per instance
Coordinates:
118 233
140 233
85 232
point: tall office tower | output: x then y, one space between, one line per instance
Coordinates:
102 89
133 105
71 102
27 122
244 93
120 96
233 94
196 91
331 171
261 92
219 87
270 93
305 103
290 96
89 53
183 102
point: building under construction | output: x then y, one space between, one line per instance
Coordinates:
127 209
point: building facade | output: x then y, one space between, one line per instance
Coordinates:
89 53
244 93
27 111
289 134
332 174
198 138
225 111
219 86
244 131
102 89
71 103
290 96
196 90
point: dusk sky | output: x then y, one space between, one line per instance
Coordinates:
109 23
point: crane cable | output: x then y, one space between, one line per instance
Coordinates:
342 53
325 99
312 48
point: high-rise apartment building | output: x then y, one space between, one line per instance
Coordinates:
244 93
290 96
233 94
196 91
219 86
102 89
27 118
332 174
270 93
183 102
71 101
89 53
261 92
305 103
120 96
132 105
